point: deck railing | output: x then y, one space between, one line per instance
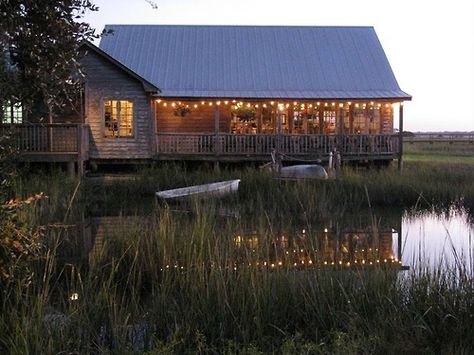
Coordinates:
225 144
47 139
43 138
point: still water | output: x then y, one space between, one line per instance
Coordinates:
434 239
404 239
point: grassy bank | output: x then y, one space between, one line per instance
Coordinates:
439 152
180 282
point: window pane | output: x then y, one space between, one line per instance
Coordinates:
110 118
118 118
359 121
329 119
126 118
12 113
6 114
17 113
374 121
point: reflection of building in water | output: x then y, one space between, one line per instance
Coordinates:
370 246
349 245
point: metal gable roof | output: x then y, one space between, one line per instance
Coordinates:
256 61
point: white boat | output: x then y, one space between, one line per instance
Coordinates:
207 190
304 171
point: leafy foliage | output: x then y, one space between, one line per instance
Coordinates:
39 42
244 113
19 242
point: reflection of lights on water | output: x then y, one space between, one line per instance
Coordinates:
74 296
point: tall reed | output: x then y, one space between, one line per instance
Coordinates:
206 277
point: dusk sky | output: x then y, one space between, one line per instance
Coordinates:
429 43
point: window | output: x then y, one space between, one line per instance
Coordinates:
118 118
374 120
12 113
329 120
359 121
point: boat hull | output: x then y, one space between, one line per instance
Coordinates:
216 189
308 171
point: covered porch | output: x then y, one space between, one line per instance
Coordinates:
245 130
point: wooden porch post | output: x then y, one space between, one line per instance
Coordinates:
400 137
154 145
340 128
278 145
217 119
80 150
290 118
351 119
321 120
50 129
259 118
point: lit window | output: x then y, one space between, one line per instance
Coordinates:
118 118
359 121
12 113
329 120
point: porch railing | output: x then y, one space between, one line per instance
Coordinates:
56 138
262 144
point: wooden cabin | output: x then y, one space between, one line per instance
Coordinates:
226 93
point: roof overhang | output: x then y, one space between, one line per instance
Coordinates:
289 95
147 86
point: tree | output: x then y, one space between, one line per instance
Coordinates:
39 43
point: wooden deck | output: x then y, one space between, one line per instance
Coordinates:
70 143
59 142
259 147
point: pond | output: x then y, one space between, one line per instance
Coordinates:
322 261
368 238
437 239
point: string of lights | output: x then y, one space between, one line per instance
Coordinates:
280 105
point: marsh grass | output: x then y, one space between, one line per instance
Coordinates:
179 283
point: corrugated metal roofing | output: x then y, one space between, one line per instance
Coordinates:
256 61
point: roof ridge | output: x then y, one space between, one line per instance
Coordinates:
238 25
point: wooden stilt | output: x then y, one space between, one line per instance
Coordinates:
400 137
71 168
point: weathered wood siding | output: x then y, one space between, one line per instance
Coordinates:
106 81
199 120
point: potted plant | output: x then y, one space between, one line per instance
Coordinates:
182 110
244 113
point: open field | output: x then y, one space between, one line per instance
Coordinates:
441 152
